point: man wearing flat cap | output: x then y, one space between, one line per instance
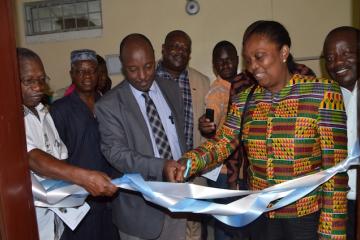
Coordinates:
78 128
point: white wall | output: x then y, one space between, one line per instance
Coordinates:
308 21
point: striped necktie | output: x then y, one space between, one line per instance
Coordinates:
157 128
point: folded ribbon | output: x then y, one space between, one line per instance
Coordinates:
185 197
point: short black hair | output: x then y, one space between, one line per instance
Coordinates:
175 33
341 29
25 53
133 37
223 45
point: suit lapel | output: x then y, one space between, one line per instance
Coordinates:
131 107
171 97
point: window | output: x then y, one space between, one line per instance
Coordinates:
57 16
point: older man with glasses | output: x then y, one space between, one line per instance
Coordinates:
46 149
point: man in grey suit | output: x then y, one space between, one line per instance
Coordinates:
130 145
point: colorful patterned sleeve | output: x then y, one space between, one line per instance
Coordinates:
214 151
333 142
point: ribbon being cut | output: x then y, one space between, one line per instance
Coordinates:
187 197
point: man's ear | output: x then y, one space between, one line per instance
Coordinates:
284 51
162 49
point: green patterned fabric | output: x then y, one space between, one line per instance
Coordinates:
296 132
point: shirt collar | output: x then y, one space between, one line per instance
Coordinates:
76 95
348 92
223 82
153 89
162 71
40 108
350 97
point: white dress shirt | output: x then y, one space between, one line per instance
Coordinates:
42 134
165 115
350 99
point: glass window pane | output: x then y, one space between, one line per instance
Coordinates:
45 25
44 12
68 10
29 28
56 24
81 8
28 13
36 26
95 19
94 6
56 11
59 15
82 21
70 23
34 13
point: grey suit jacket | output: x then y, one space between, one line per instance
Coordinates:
126 144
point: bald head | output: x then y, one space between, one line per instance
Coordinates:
340 49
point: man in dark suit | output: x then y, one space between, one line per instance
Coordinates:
132 145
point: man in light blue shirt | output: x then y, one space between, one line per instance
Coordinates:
133 143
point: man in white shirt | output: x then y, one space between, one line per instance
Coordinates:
341 48
44 146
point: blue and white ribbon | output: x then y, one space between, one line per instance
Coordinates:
187 197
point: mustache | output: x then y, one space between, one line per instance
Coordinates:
179 55
345 66
227 70
35 95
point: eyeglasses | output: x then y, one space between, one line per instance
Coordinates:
33 82
82 73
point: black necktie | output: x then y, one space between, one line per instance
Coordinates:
157 128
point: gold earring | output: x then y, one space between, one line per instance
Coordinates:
284 60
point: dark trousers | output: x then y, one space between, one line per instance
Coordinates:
252 231
350 224
263 228
221 230
97 224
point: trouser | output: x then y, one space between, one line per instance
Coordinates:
196 226
350 224
221 230
263 228
97 224
174 229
